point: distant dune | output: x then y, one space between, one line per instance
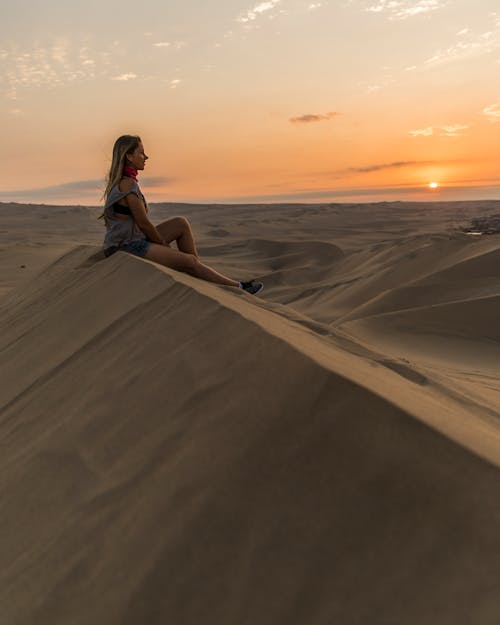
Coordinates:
177 452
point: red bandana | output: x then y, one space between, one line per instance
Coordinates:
130 172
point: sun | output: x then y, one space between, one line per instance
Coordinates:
433 185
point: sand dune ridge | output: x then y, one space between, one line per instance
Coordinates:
168 478
174 451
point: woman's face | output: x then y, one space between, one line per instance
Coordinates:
138 157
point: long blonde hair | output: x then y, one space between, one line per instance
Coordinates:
126 144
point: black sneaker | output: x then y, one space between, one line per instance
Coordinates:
253 287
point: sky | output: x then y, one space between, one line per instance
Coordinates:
248 101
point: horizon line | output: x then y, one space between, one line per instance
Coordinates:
84 195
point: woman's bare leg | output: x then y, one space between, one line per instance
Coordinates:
188 263
179 230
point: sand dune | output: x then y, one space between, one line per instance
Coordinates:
178 452
447 277
463 333
174 453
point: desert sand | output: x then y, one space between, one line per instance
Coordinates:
179 453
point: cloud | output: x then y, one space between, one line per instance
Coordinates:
125 77
455 130
403 9
55 192
56 63
155 181
252 14
83 189
176 45
423 132
466 45
469 45
492 112
381 166
384 82
309 118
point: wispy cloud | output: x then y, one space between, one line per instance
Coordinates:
252 14
156 181
174 45
454 130
71 191
125 77
422 132
309 118
492 112
381 166
403 9
383 82
56 192
59 61
469 45
56 63
466 44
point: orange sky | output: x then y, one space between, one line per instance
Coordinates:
281 100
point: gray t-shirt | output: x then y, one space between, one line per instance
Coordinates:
122 229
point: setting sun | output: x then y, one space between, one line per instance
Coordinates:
433 185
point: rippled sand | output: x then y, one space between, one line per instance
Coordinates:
177 452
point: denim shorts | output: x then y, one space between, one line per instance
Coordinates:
139 248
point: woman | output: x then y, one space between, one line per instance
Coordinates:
128 227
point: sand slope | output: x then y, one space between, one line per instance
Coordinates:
176 452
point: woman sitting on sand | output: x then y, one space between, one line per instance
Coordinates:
129 229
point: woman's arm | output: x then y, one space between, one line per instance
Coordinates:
140 215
